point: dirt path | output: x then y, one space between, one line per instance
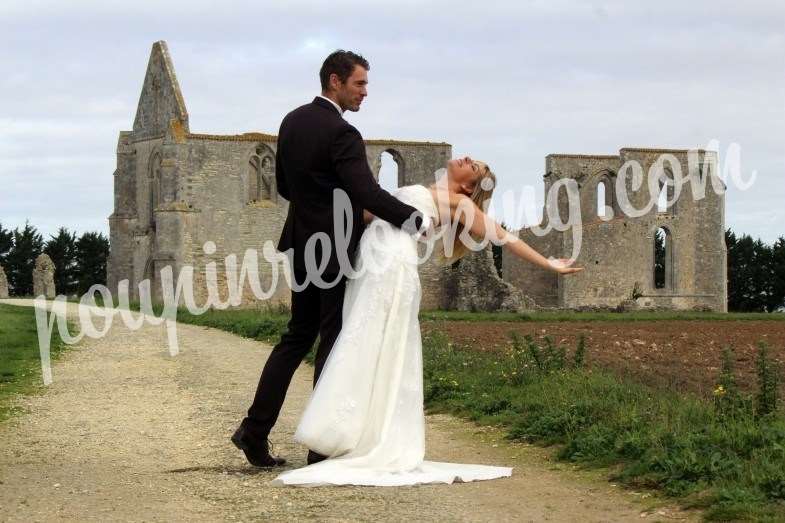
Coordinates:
126 432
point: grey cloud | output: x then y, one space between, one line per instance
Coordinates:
509 83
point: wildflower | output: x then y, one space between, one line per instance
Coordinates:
719 391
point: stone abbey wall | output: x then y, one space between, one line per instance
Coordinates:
175 190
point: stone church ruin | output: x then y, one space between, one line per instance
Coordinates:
175 190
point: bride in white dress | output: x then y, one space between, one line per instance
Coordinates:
366 411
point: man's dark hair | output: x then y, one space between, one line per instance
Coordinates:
341 63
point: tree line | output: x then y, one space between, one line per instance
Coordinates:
756 274
79 261
756 271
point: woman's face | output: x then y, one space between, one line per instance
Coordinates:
463 171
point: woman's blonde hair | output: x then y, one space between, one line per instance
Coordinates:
481 196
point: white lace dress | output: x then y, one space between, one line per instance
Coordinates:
366 411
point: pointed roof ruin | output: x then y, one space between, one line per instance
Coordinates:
161 100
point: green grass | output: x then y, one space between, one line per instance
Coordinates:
731 464
247 323
537 316
20 362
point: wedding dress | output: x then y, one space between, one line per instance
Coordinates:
366 412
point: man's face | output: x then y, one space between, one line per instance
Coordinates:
350 94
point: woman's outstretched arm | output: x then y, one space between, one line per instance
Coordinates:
481 225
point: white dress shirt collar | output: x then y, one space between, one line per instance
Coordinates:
337 107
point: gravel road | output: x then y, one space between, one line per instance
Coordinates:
127 432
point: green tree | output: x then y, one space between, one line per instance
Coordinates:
778 263
6 243
763 276
756 273
92 251
27 246
735 271
62 250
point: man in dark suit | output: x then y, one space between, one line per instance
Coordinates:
318 151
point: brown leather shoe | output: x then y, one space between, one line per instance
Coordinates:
315 457
258 457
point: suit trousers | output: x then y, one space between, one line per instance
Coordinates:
315 312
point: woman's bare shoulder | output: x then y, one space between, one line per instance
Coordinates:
445 197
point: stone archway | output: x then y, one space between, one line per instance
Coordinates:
392 169
260 179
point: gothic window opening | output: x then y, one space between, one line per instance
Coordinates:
667 187
389 173
604 199
663 259
261 176
253 178
266 179
154 182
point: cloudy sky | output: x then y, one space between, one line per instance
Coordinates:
505 82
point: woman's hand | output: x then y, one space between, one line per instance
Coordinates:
367 216
562 265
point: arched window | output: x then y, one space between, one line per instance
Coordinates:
604 199
266 181
154 184
389 175
663 259
665 202
261 175
254 165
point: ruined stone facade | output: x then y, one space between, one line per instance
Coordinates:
44 277
175 190
3 284
188 200
618 250
473 284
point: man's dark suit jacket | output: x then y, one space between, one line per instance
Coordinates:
319 151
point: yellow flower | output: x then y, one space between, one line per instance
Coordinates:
719 391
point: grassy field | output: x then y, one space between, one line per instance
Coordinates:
725 456
20 363
542 316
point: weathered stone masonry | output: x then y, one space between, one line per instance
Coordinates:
174 190
617 251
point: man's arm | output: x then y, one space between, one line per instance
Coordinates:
348 155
